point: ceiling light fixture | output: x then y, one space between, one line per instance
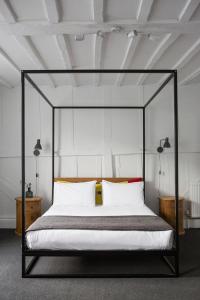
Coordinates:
150 36
100 34
132 34
116 29
79 37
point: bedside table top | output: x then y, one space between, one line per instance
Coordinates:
170 198
35 199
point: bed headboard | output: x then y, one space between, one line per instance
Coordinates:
84 179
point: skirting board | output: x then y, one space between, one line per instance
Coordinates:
7 223
192 223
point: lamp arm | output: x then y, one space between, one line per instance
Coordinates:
161 142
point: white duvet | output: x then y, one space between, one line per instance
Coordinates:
98 239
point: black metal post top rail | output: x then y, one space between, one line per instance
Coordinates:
99 107
170 74
159 89
139 71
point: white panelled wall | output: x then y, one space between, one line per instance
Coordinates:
97 142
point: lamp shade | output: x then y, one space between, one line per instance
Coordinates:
160 149
167 143
38 145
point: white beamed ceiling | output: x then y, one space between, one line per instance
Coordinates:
39 34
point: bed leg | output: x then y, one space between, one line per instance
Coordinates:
177 265
23 265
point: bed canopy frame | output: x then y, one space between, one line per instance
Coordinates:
173 262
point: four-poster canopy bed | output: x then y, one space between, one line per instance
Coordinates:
173 252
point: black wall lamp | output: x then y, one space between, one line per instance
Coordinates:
37 148
166 144
36 152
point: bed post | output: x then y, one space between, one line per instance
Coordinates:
143 154
23 172
53 146
176 170
26 252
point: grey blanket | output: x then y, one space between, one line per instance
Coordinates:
142 223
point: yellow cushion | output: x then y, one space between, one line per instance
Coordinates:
99 194
99 200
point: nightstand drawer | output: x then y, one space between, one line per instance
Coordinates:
32 212
168 211
33 207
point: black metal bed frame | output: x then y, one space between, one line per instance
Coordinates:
36 254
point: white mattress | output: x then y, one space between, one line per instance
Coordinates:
99 239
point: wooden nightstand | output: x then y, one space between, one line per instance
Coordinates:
167 211
33 211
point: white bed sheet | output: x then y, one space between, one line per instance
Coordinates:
99 239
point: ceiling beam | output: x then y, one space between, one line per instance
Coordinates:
97 11
7 12
169 39
51 10
188 55
185 58
143 13
155 27
5 83
98 17
185 16
38 28
32 52
188 10
157 54
98 41
144 10
191 76
24 41
130 51
5 56
66 55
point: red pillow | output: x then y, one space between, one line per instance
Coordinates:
136 179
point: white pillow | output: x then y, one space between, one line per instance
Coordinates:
75 194
116 194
